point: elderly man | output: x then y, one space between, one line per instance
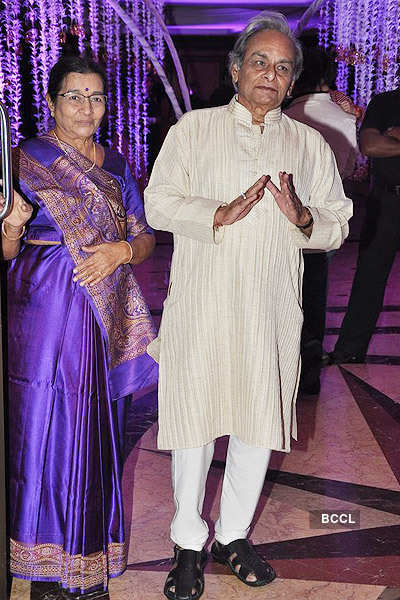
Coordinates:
228 346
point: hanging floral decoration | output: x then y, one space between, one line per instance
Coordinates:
366 37
34 33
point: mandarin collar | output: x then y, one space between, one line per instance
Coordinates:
241 113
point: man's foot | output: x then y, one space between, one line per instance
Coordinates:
244 562
325 359
338 357
185 581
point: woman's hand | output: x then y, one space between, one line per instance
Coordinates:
346 104
242 205
102 262
20 214
12 226
142 246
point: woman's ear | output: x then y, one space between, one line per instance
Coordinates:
50 104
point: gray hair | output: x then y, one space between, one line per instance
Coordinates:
266 20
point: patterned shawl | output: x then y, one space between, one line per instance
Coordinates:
87 207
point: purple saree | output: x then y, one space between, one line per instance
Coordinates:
75 355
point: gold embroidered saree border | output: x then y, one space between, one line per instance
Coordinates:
42 243
70 570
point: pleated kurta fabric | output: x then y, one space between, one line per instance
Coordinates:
229 342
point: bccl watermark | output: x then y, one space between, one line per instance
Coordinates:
334 519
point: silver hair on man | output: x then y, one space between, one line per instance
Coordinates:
263 21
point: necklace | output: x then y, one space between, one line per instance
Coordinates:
63 149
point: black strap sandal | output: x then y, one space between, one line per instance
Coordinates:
186 575
96 595
245 557
45 590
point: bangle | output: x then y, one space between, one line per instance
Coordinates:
308 224
12 239
131 250
217 226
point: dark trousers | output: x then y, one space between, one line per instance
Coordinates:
315 287
380 237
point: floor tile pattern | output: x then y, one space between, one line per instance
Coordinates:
347 458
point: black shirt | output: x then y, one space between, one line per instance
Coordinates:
383 112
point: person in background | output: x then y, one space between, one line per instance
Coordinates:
243 188
223 93
346 104
313 105
78 328
14 223
380 235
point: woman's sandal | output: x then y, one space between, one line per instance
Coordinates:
96 595
186 575
240 553
45 590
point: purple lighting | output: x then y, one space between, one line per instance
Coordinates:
12 81
36 30
227 17
366 36
273 5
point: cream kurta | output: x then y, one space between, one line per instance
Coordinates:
229 341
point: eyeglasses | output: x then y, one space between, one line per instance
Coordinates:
77 99
284 68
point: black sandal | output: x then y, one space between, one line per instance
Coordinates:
247 558
186 575
96 595
45 590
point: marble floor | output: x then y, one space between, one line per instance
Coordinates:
347 458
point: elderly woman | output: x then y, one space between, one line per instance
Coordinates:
78 331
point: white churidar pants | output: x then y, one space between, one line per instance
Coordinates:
245 471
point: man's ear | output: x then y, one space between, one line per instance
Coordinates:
235 74
290 90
